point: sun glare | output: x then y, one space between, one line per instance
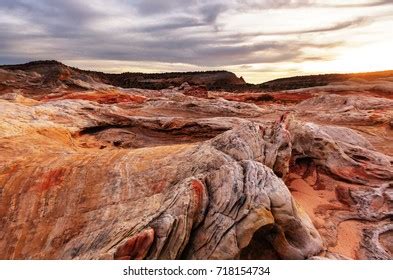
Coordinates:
371 57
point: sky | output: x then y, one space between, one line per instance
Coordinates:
258 39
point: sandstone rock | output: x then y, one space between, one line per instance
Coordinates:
185 86
197 91
368 173
208 208
349 159
92 171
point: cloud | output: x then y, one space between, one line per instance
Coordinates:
154 7
272 4
172 24
293 4
364 4
334 27
212 11
195 32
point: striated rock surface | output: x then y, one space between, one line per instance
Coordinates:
135 203
100 172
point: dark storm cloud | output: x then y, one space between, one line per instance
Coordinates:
174 31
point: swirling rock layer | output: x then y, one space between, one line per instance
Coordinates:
109 173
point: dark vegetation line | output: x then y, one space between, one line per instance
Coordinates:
212 80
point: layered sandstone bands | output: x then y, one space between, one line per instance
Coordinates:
136 203
111 173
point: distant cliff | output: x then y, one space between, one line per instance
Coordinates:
319 80
54 72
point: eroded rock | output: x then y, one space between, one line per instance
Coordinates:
91 171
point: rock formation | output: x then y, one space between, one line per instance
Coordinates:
44 74
101 172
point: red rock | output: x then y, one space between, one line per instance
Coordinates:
107 97
196 91
343 195
136 247
50 179
93 171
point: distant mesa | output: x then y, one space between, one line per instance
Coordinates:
56 74
321 80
